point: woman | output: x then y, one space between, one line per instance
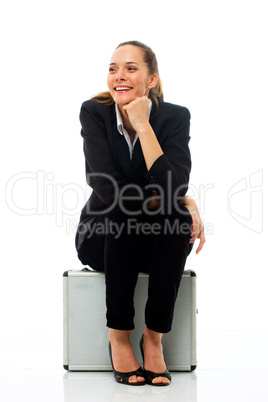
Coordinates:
138 218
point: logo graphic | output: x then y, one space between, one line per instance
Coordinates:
245 201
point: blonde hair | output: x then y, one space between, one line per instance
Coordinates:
151 61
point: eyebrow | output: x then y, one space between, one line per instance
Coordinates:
128 62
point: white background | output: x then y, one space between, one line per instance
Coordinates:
213 59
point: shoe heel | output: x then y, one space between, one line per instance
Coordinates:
141 349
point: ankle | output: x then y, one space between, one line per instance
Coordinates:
116 335
152 336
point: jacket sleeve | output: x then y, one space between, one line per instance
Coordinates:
102 176
171 171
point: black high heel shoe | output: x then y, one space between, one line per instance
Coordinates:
150 375
123 378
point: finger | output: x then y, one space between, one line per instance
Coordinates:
125 109
193 239
201 243
196 229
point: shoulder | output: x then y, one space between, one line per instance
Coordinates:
173 111
95 117
95 108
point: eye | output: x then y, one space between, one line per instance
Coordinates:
111 69
132 68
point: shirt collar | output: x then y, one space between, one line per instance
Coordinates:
119 121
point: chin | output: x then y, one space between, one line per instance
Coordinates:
125 101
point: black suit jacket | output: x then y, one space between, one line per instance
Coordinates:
108 165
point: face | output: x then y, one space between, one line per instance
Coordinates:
128 76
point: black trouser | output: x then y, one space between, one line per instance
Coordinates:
122 246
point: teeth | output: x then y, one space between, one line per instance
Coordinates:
122 89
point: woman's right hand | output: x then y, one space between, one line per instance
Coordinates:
154 202
197 227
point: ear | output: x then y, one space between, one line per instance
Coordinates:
153 81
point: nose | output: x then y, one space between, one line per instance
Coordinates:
120 75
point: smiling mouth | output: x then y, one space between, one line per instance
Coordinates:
122 89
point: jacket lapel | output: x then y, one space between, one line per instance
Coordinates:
137 157
119 144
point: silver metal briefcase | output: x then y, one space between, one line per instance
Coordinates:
85 335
